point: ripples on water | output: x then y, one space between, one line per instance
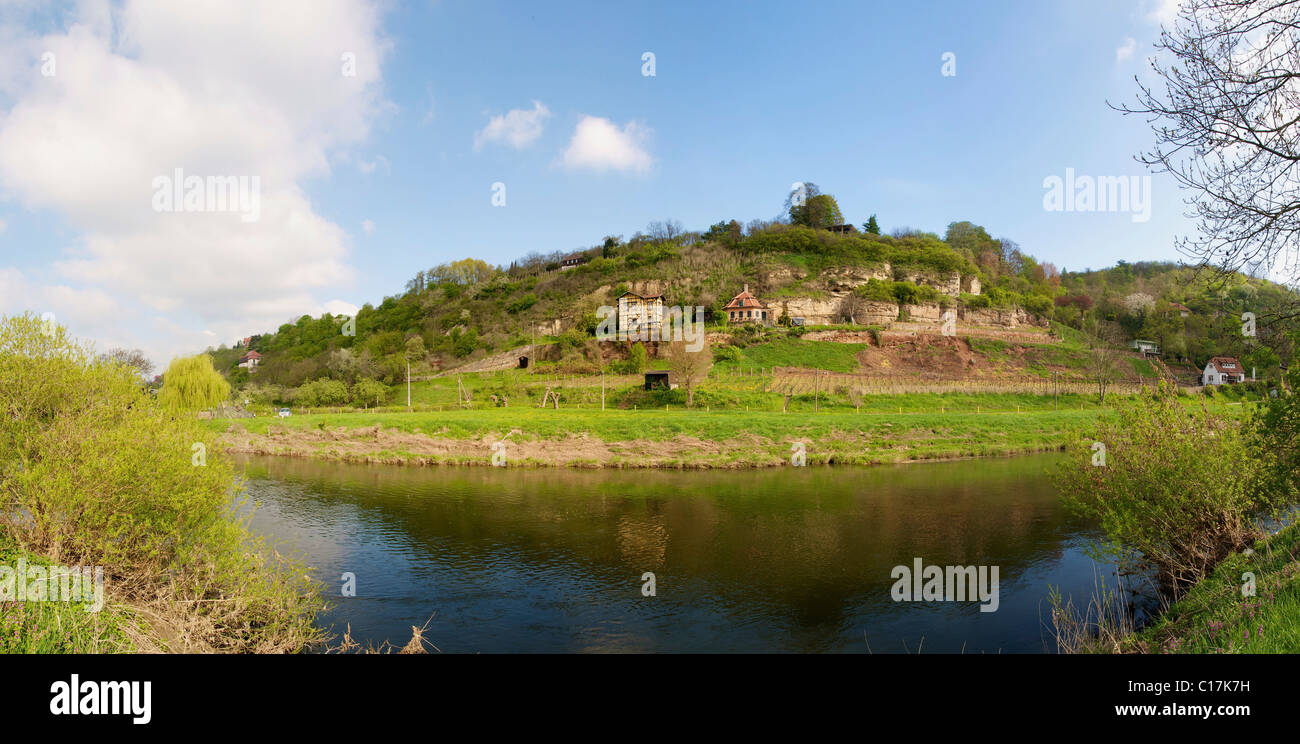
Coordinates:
794 559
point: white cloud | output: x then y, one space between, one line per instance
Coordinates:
517 128
368 226
339 307
1125 50
151 86
3 226
598 144
1162 12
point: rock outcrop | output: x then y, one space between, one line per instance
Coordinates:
1007 318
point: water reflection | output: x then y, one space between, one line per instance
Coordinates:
794 559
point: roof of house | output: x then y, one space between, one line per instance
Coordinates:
1180 306
1226 365
744 301
250 355
643 297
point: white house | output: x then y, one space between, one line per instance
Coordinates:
250 360
1223 371
1147 348
639 315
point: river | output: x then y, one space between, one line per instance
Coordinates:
773 560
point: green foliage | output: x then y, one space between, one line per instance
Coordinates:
1178 490
322 392
903 293
522 304
638 359
93 471
367 392
191 384
415 349
1276 427
464 343
818 211
726 354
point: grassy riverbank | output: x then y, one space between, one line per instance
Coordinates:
884 429
1214 617
652 438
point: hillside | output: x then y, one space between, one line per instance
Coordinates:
867 304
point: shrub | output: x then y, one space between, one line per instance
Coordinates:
522 304
573 339
95 472
638 359
726 354
1177 491
367 392
876 290
322 392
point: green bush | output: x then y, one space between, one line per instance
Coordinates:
638 359
322 392
1176 489
522 304
726 354
95 472
367 392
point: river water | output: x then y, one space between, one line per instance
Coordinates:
774 560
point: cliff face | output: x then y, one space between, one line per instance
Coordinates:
819 311
1009 318
822 311
837 283
843 280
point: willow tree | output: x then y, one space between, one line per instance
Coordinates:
191 384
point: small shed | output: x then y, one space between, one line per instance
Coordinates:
659 378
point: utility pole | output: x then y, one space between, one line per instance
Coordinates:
602 390
408 385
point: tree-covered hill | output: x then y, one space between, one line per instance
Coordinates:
457 312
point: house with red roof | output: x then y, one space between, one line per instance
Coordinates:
1223 370
250 360
746 308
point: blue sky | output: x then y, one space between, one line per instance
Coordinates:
384 170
